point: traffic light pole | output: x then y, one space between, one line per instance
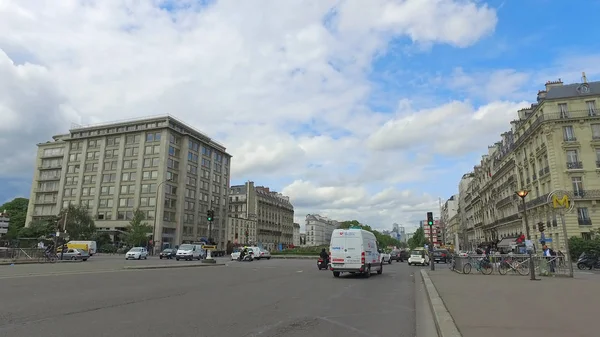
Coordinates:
567 248
431 248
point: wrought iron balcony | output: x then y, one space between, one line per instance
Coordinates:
574 165
570 139
584 222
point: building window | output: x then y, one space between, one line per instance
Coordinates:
591 107
577 186
596 131
583 216
564 111
568 133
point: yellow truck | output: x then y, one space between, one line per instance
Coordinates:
83 246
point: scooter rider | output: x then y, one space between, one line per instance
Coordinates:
324 255
243 253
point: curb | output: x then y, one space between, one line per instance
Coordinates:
8 263
294 257
444 323
169 266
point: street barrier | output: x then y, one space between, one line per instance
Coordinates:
516 264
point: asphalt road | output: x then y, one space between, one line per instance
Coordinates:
262 298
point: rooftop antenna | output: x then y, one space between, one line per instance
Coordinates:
583 77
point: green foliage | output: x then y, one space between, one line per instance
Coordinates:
102 239
382 239
78 223
579 245
107 248
37 229
17 211
418 239
138 230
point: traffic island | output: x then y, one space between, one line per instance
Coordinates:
178 265
209 261
12 262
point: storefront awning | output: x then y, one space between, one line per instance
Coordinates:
507 242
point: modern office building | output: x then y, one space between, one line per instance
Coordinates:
159 165
319 229
553 151
271 214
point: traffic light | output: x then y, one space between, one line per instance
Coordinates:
430 218
541 227
210 214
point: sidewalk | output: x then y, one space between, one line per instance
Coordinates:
496 305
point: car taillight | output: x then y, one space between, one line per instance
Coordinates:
362 258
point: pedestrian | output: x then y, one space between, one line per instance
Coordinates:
550 254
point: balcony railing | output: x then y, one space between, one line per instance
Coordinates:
574 165
570 139
584 222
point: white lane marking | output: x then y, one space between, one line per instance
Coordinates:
348 327
299 271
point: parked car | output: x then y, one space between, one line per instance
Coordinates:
398 255
168 253
440 255
74 254
137 253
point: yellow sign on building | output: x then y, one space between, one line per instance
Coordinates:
564 202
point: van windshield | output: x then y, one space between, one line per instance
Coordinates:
186 247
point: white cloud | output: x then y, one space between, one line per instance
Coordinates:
451 129
285 93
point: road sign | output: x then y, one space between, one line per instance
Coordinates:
546 240
209 247
560 199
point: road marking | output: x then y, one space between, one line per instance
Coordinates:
348 327
299 271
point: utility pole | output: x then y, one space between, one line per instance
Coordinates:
64 230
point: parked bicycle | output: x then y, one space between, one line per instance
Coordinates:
511 264
483 265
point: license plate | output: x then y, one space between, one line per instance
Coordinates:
338 264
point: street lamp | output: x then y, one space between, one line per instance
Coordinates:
522 194
156 215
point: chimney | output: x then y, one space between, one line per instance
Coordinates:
552 84
583 77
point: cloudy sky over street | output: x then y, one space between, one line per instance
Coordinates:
367 110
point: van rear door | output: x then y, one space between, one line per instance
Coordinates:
345 251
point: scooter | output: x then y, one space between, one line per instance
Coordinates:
247 258
322 264
588 261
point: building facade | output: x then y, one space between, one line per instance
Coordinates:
449 210
296 235
319 229
4 222
271 214
552 149
159 165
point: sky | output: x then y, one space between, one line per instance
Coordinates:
355 112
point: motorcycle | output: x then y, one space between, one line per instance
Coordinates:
587 261
247 258
322 264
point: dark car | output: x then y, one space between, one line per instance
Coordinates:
441 255
168 253
398 255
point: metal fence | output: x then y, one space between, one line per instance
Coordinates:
21 253
510 265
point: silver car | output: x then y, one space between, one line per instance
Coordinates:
74 254
137 253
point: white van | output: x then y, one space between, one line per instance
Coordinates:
354 251
188 251
92 247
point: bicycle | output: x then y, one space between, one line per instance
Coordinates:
452 263
510 264
483 265
48 257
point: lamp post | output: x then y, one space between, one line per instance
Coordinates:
156 216
522 194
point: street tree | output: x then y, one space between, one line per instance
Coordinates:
17 211
77 222
418 239
138 230
382 239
